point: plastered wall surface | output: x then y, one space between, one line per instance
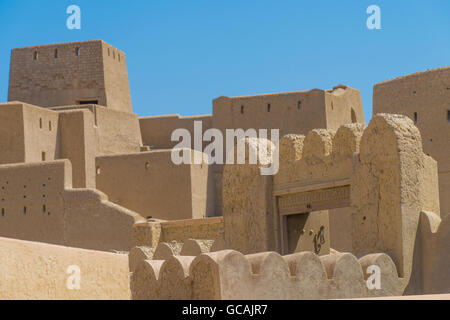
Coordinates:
152 233
40 271
383 180
70 73
39 204
152 185
157 131
229 275
423 97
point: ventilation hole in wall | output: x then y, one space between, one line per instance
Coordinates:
147 165
24 197
25 211
299 105
353 116
44 196
49 126
43 156
242 109
44 208
77 51
268 107
44 185
40 123
36 55
415 117
3 212
364 218
98 170
414 92
56 53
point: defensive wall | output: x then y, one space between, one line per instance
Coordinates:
40 271
39 204
424 98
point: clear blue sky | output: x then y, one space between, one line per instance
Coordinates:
184 53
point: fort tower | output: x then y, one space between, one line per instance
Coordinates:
88 72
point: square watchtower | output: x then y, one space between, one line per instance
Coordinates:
87 72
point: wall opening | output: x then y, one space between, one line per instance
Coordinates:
3 212
56 53
44 208
353 116
40 123
77 51
98 170
299 105
49 126
43 156
415 117
88 102
36 55
147 165
242 109
268 107
448 116
25 211
118 55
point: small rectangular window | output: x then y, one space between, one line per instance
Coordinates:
88 102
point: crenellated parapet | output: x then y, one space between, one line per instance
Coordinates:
365 186
226 275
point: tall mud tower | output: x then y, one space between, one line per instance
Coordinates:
88 72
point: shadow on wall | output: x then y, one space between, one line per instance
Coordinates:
39 204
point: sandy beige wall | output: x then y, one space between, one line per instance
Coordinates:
38 204
424 95
118 132
12 143
157 131
48 81
292 112
152 185
116 78
151 233
343 105
33 270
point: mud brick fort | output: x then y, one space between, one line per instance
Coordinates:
86 182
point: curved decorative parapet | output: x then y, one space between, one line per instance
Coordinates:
164 251
372 182
226 275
